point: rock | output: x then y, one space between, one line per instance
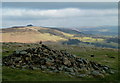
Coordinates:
17 59
73 74
35 68
52 68
81 75
82 71
111 72
49 62
66 62
92 55
27 58
60 68
57 71
40 42
29 25
44 46
103 71
99 65
95 67
18 66
105 68
79 60
111 57
30 67
12 66
42 61
84 61
68 69
43 67
97 74
74 56
75 69
16 52
23 52
24 66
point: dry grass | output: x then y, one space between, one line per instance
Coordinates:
28 37
32 35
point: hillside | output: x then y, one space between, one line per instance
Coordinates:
100 30
30 35
34 34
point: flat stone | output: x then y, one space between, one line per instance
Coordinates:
105 68
52 68
72 74
17 52
23 52
36 68
82 75
111 72
97 74
69 69
43 67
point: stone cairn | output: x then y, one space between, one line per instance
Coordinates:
46 59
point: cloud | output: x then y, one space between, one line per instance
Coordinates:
61 5
66 17
55 13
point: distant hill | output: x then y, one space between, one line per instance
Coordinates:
66 30
100 30
33 34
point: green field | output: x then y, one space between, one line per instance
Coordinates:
102 56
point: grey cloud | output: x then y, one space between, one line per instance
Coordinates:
55 14
59 5
23 14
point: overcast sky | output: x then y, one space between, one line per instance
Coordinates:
60 14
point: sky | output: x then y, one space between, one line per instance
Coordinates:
59 14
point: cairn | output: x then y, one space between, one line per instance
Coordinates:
47 59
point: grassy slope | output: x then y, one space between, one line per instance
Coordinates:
84 52
32 34
28 35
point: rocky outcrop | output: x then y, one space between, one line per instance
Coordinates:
47 59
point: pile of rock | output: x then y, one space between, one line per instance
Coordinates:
44 58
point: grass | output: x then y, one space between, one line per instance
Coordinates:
36 75
10 74
102 56
89 39
27 37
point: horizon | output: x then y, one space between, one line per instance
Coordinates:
59 27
